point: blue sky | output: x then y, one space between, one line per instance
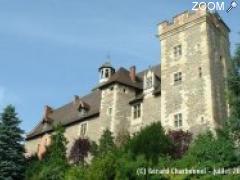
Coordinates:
50 50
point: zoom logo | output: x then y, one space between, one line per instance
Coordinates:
212 6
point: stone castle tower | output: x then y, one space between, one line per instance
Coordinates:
194 56
186 91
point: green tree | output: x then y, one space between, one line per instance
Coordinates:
106 143
12 162
54 164
151 142
234 97
210 151
103 167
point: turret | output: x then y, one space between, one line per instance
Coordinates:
106 71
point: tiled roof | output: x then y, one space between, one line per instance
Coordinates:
121 76
68 114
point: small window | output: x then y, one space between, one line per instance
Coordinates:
83 129
137 111
200 72
178 120
111 88
82 111
177 77
106 73
109 111
102 73
149 82
177 50
124 90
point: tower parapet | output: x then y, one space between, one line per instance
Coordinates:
181 19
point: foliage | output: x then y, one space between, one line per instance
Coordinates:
209 151
79 151
103 167
234 98
93 148
181 141
12 162
75 173
54 165
106 143
122 138
151 142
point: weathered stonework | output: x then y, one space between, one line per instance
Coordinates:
199 96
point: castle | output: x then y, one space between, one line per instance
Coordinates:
186 91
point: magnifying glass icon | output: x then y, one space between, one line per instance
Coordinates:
233 4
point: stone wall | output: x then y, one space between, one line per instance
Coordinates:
199 97
71 133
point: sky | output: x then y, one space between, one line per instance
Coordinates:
50 50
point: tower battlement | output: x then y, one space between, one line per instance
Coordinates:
181 19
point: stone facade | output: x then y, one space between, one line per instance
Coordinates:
202 62
187 91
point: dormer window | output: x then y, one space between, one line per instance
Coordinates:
83 107
82 111
149 82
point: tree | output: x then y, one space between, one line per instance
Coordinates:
181 141
234 97
208 151
12 162
79 151
122 138
106 143
151 142
103 167
55 164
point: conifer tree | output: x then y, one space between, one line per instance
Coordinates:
12 162
106 143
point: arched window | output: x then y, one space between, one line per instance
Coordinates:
106 73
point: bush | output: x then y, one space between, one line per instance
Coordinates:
209 151
79 151
151 142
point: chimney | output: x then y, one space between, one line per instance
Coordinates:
133 73
47 111
76 99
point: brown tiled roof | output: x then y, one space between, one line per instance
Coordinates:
69 114
122 77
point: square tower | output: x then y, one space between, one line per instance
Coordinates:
195 57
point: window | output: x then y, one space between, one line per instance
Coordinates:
106 73
178 120
149 82
177 77
109 111
83 129
137 111
82 111
200 72
177 50
111 88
